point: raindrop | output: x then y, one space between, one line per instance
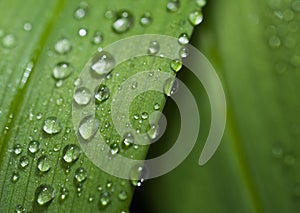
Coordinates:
183 39
153 132
82 32
196 17
15 177
17 149
88 127
52 125
201 3
9 41
24 161
171 86
102 93
71 153
105 199
81 11
62 70
102 63
156 106
145 115
137 175
81 174
153 47
97 38
77 82
173 5
64 193
128 140
82 96
123 22
146 19
183 52
27 27
44 194
33 146
122 195
20 209
134 85
114 148
63 46
109 184
176 65
44 164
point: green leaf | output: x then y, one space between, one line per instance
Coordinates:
254 46
44 47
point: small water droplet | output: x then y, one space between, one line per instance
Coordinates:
44 194
128 140
122 195
33 146
88 127
123 22
196 18
63 46
24 161
44 164
171 86
156 106
81 11
102 63
64 193
97 38
146 19
102 93
137 175
62 70
9 41
27 27
81 174
183 39
114 148
20 209
15 177
173 5
71 153
52 125
153 47
82 96
17 149
183 52
105 199
82 32
201 3
145 115
176 65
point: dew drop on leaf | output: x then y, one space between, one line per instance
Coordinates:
137 175
123 22
82 32
153 47
183 52
102 63
44 194
105 199
128 140
170 86
52 125
173 5
20 209
44 164
88 127
176 65
196 18
81 174
27 27
183 39
102 94
122 195
15 177
201 3
9 41
114 148
63 46
71 153
82 96
17 149
64 193
33 146
97 38
62 70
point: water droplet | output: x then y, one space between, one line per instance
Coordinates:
173 5
88 127
82 96
134 85
153 47
153 132
81 174
145 115
44 164
196 17
63 46
109 184
105 199
102 93
102 63
64 193
71 153
17 149
171 86
52 125
62 70
98 38
20 209
137 175
122 195
109 14
156 106
91 198
176 65
77 82
9 41
15 177
81 11
183 52
44 194
123 22
24 161
201 3
128 140
146 19
183 39
82 32
114 148
274 41
57 147
27 27
33 146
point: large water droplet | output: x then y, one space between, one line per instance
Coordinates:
88 127
153 47
102 94
81 174
274 41
44 164
105 199
63 46
82 32
114 148
33 146
52 125
201 3
27 27
173 5
183 39
82 96
102 63
128 140
170 86
44 194
9 41
176 65
17 149
81 11
196 17
71 153
24 161
62 70
123 22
